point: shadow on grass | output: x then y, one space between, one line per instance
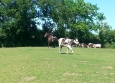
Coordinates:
68 53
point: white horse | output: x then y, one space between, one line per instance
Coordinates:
68 43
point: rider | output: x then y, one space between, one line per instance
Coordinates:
52 34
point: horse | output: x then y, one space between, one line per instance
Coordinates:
68 43
49 39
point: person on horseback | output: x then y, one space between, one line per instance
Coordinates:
52 35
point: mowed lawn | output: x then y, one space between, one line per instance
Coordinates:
46 65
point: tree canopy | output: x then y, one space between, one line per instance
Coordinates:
71 18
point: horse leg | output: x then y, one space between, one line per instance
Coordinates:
53 43
60 48
48 45
69 47
67 50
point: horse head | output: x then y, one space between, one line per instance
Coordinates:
46 34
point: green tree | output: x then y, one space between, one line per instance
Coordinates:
73 18
104 34
17 23
75 14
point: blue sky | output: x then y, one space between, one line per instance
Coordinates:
107 7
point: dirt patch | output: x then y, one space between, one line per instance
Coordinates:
107 67
71 74
83 61
27 79
74 66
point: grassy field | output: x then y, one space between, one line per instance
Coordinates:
43 65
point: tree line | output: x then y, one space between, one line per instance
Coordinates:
20 21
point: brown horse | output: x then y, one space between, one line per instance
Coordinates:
49 37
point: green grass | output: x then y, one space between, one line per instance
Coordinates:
44 65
